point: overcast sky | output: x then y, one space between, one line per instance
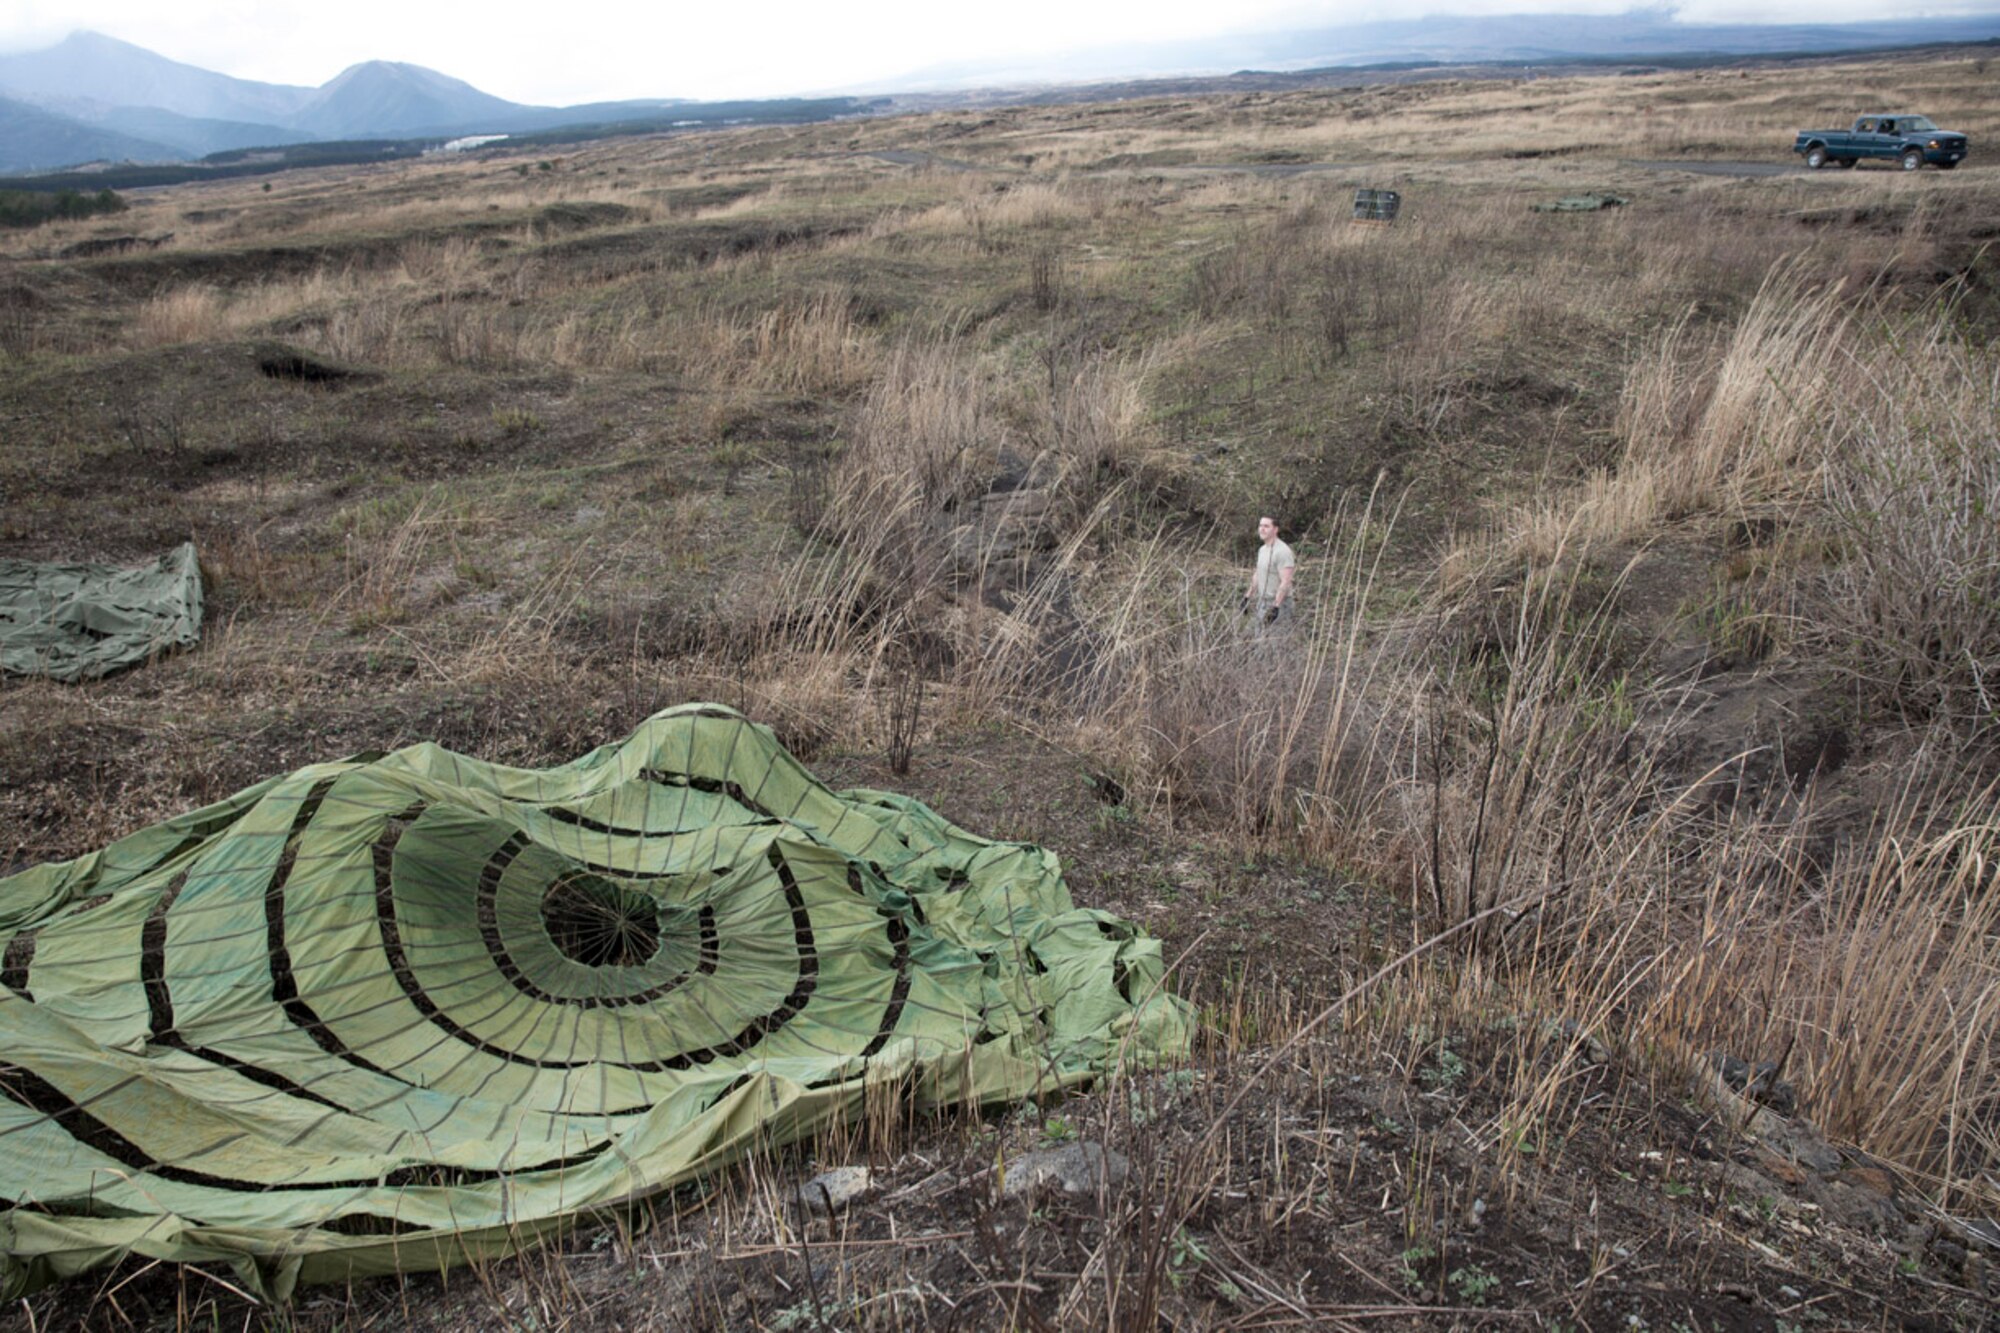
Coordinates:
575 51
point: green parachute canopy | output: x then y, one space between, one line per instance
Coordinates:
399 1011
79 622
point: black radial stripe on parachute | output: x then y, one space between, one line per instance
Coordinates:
713 786
27 1089
160 1006
20 953
802 989
198 836
285 986
566 816
153 963
899 992
899 940
916 903
754 1032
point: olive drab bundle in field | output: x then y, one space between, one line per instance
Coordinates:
80 622
406 1010
1377 206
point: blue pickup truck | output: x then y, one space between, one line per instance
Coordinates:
1908 141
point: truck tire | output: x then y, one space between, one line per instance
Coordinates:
1912 158
1816 156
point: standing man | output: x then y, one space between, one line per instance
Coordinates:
1271 582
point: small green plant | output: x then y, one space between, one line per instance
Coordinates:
1183 1257
1472 1283
1057 1129
1421 1252
1445 1072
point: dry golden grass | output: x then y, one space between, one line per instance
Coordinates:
785 382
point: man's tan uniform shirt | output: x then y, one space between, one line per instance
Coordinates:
1271 558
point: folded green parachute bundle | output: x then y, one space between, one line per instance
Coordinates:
1580 203
404 1010
79 622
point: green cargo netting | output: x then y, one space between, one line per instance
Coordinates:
79 622
399 1011
1580 203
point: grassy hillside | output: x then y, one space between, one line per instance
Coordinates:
1639 708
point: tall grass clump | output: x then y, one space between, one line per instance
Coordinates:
1875 970
1715 427
1687 913
886 501
1713 423
183 314
1911 502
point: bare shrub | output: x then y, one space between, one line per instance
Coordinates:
1095 410
903 709
1522 737
1045 279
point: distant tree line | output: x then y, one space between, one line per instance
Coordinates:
31 208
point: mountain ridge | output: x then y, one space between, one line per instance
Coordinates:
94 97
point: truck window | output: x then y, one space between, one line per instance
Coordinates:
1865 127
1888 127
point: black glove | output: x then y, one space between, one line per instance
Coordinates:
1271 616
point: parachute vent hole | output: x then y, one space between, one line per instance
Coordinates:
598 924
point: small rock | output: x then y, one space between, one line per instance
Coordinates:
830 1191
1076 1168
1750 1183
1784 1141
1982 1231
1760 1083
1953 1256
1798 1140
1581 1040
1854 1206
